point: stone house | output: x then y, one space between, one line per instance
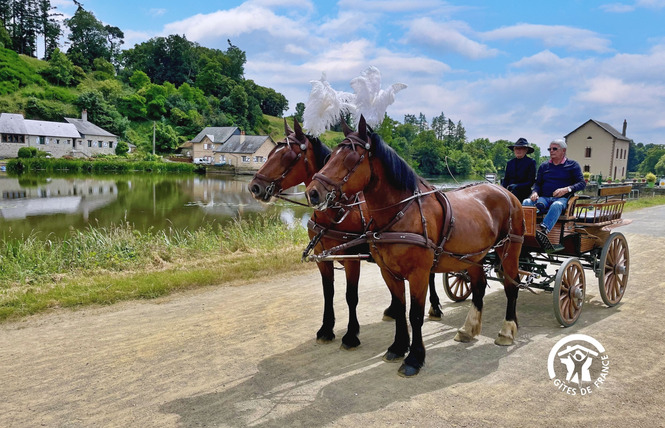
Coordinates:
207 141
76 137
229 145
245 152
600 149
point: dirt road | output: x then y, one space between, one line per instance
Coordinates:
246 356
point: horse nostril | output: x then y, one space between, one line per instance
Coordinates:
313 197
256 189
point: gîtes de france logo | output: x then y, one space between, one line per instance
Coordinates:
578 365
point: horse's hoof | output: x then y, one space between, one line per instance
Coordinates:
322 337
391 357
388 315
503 341
406 370
463 337
350 343
435 313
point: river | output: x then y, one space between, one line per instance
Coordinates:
56 205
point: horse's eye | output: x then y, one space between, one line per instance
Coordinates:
351 160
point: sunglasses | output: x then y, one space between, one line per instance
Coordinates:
552 149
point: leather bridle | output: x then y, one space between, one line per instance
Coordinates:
290 159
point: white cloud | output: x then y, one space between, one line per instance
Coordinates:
575 39
156 12
446 36
246 18
391 6
617 7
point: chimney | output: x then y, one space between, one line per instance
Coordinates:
84 115
625 124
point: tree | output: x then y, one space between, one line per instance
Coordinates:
653 155
300 109
139 80
60 70
122 148
24 26
659 169
49 27
164 59
166 138
89 39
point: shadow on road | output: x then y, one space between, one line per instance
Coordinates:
313 384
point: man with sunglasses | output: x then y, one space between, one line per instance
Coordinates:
556 181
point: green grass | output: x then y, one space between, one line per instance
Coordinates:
106 265
643 202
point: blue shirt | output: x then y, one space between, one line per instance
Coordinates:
551 177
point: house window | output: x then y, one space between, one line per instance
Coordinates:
259 159
587 152
246 159
617 155
587 168
42 140
110 144
13 138
100 144
89 143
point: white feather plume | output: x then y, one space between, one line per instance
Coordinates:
325 106
370 100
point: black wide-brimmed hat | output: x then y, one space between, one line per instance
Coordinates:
522 142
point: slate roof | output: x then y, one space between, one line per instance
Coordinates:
88 128
243 144
11 123
607 127
217 134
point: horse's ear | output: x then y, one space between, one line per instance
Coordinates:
345 127
362 128
287 128
300 136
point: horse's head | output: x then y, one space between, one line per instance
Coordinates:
346 173
290 163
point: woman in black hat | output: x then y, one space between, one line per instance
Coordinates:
520 171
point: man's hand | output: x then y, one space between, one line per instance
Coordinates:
558 193
534 196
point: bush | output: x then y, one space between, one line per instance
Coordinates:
27 152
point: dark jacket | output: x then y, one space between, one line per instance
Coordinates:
551 177
522 174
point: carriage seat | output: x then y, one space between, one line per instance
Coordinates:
605 208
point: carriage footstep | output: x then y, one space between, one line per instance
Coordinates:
545 243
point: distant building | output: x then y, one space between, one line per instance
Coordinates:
600 149
247 152
229 145
76 137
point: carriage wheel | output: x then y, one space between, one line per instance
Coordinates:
614 267
569 290
457 286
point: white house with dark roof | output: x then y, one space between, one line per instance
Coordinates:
76 137
600 149
209 139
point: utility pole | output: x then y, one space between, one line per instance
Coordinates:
153 138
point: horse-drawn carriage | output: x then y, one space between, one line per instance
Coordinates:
584 238
366 195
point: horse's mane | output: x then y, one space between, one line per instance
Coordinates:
321 151
399 173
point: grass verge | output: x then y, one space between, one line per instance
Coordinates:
102 266
643 202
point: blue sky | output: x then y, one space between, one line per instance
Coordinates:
506 69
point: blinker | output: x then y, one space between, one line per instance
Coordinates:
351 160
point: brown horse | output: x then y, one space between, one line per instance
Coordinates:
294 161
412 237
